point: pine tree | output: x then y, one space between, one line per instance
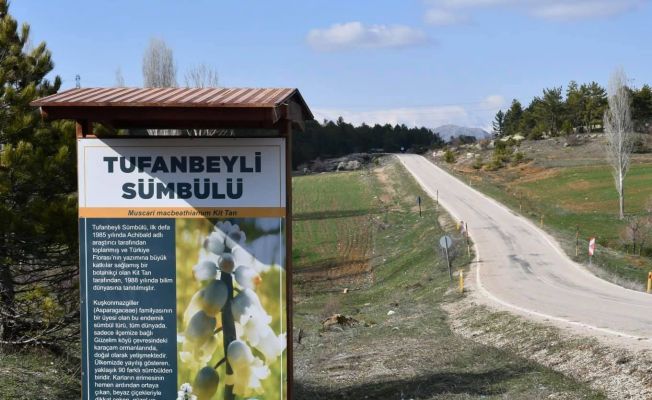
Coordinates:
513 118
550 110
499 124
642 108
594 104
38 295
575 101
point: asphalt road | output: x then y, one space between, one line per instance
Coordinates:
522 268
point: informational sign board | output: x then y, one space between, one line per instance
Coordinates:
591 246
445 242
183 282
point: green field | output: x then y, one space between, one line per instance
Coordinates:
578 198
327 218
411 353
586 197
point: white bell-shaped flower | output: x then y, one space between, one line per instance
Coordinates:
200 327
225 227
236 238
263 339
247 277
205 270
254 323
261 254
198 341
215 242
232 233
242 256
246 307
213 297
197 354
248 370
210 300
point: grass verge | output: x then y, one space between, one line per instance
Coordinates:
37 374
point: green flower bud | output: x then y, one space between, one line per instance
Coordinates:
206 383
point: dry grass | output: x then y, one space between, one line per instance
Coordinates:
620 373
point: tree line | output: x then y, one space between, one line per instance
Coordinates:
337 138
578 109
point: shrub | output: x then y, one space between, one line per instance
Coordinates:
573 140
518 158
639 146
494 165
478 163
535 135
567 128
449 156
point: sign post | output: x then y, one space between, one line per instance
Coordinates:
185 245
591 249
466 236
419 204
445 242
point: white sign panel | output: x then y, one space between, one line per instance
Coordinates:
181 172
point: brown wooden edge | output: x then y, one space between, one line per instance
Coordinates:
285 130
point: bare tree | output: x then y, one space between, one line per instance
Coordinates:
119 79
636 232
159 70
619 132
159 67
203 76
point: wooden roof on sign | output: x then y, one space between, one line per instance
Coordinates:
179 107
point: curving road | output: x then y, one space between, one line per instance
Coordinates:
523 268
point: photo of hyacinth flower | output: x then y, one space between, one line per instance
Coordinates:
231 332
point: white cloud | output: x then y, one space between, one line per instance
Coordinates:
355 35
556 10
495 101
582 9
476 114
441 17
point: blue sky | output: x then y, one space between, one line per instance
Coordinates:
418 62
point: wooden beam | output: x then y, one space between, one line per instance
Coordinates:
84 128
285 130
169 117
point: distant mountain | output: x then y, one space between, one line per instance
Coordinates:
448 131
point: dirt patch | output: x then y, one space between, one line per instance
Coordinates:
336 275
388 194
532 173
